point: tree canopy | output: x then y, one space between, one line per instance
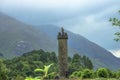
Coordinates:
116 22
23 66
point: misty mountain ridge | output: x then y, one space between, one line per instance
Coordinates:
17 38
83 46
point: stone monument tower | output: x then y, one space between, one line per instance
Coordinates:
62 50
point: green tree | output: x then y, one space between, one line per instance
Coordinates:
25 64
75 65
76 58
3 71
116 22
118 74
87 73
110 73
87 63
76 74
102 73
53 57
69 59
78 63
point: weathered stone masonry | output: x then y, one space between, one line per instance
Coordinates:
63 52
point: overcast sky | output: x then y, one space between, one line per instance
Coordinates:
89 18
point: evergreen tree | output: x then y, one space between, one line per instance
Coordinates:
76 61
87 63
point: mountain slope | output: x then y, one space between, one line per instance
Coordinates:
99 55
1 55
17 38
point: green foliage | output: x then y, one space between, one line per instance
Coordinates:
99 74
76 63
76 74
111 74
86 62
19 78
41 77
30 78
118 74
33 64
3 71
24 66
79 63
45 70
116 22
76 59
87 73
102 72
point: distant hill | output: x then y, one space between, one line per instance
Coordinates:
83 46
17 38
1 55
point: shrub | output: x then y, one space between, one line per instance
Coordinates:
102 73
118 74
3 71
46 74
87 73
114 75
76 74
19 77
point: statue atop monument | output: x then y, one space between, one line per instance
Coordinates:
62 34
62 30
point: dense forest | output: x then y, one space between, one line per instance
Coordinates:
24 66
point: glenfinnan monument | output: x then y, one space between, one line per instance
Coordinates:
63 51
